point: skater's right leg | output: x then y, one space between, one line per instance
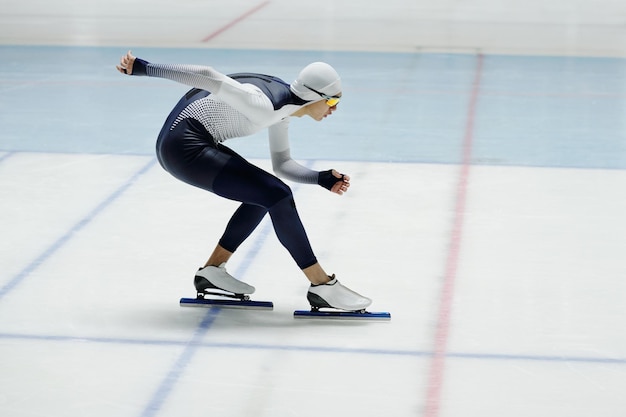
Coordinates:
316 274
333 294
257 189
272 195
326 291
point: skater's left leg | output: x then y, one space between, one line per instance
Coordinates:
218 256
241 224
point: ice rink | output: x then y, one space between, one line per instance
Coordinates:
486 142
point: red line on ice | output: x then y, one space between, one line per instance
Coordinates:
235 21
436 376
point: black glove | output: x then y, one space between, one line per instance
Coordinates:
140 67
326 179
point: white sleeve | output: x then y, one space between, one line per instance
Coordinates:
282 163
246 98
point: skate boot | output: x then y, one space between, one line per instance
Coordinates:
334 295
216 277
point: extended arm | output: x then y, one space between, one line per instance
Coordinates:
284 166
282 163
245 98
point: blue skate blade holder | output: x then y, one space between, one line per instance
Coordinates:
342 315
210 302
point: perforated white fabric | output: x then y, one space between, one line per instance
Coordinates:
218 118
236 110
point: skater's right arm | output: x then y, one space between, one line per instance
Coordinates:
286 167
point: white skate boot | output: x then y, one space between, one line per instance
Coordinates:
216 277
334 295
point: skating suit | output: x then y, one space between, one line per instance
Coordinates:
221 107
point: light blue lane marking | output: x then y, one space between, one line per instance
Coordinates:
195 344
168 384
170 380
6 155
52 249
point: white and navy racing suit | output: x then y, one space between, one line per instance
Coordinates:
220 107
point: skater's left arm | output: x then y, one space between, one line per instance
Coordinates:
246 98
286 167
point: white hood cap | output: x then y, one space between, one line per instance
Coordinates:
319 76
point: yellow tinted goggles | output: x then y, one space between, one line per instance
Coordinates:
331 101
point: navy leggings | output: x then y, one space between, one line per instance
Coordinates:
189 153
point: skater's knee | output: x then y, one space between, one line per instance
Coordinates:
280 193
287 203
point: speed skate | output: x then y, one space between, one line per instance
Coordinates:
217 288
214 299
225 300
333 300
325 314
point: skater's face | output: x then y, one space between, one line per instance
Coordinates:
318 110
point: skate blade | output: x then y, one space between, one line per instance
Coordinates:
342 315
216 303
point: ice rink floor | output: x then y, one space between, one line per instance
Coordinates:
486 213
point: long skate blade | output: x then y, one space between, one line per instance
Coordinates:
211 302
342 315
